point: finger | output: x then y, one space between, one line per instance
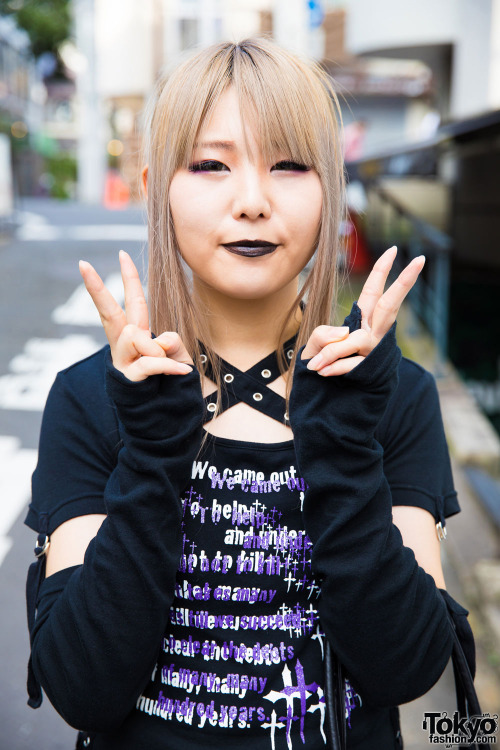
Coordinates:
172 344
134 343
341 367
374 285
387 308
136 308
321 336
355 343
111 314
144 367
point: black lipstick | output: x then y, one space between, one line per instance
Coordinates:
250 248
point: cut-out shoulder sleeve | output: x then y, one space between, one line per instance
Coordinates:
79 444
416 459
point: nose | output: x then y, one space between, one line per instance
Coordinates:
251 195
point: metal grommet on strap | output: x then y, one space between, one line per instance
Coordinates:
86 742
286 417
258 396
211 407
289 353
228 377
42 545
203 358
266 373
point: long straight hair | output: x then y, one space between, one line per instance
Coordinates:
297 113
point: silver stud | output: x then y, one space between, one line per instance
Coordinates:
203 358
228 377
266 373
257 396
211 407
286 417
289 353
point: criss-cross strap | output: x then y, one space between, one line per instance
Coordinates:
250 386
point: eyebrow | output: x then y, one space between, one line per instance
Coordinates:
223 145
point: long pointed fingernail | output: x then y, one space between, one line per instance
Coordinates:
419 258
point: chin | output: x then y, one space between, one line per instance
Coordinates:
250 292
246 283
249 289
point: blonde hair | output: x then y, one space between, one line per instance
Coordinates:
297 113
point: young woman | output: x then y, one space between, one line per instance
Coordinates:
228 493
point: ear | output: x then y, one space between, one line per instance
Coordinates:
144 179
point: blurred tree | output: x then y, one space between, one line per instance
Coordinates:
47 22
62 169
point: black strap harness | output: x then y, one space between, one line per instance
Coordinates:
249 386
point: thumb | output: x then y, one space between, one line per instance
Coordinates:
322 336
173 346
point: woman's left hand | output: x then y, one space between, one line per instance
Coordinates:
330 347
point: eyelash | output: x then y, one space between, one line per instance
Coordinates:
208 166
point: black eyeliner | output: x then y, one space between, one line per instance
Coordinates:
296 166
196 166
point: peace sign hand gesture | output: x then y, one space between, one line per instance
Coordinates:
330 347
133 351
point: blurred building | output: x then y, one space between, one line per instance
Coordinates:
459 40
21 98
404 68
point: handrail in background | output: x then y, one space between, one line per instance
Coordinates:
429 298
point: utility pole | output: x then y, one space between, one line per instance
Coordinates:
208 22
291 25
91 148
297 26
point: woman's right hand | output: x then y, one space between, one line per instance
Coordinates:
133 351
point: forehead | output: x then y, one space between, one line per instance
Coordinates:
227 128
262 123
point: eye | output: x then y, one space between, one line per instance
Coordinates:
207 166
291 166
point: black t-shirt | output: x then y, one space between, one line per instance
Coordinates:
241 659
243 649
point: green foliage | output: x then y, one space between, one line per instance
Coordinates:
63 169
17 144
47 22
5 122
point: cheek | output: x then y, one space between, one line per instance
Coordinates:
316 205
305 212
176 203
185 204
194 212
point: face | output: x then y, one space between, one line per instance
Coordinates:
228 196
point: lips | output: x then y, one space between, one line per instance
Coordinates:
250 248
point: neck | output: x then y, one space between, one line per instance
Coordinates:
242 331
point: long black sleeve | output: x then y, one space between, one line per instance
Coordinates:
382 613
95 642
